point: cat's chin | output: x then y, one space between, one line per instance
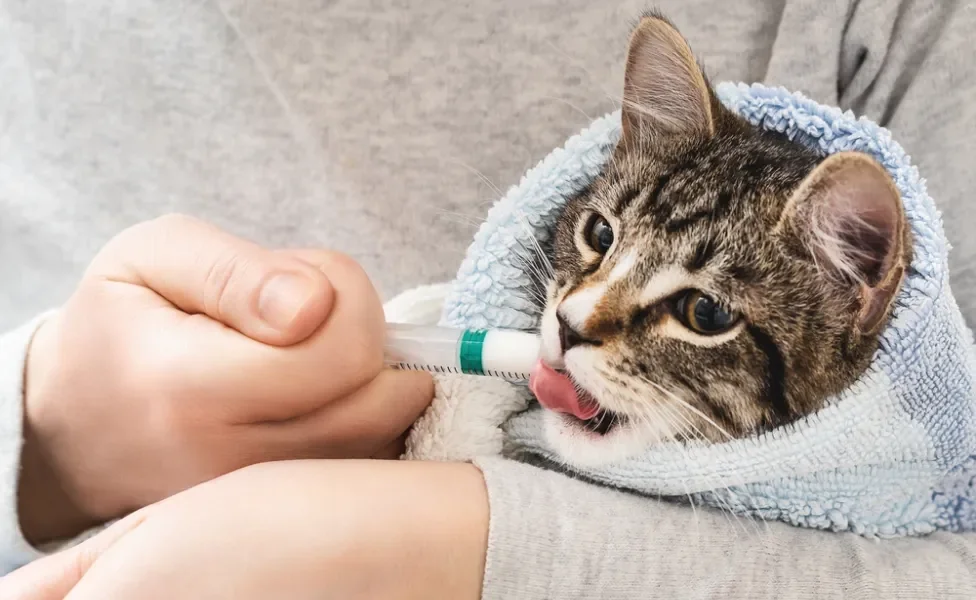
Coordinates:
593 443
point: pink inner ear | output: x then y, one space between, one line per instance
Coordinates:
856 218
665 91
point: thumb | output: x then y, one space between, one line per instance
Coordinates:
271 297
54 576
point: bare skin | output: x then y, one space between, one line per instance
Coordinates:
187 353
392 530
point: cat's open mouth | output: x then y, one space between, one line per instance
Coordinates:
603 422
559 393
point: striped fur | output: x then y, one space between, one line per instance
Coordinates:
713 206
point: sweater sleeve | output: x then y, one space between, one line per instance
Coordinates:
551 536
14 549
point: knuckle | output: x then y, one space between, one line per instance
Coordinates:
172 220
358 313
219 281
365 360
152 232
360 362
340 260
340 267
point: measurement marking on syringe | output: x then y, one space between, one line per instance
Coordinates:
431 368
506 374
511 375
500 353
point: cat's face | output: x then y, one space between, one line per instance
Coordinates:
714 281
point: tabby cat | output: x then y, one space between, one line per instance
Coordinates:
715 281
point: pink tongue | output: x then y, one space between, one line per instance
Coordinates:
557 392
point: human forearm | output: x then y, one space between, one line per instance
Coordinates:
404 530
344 529
416 530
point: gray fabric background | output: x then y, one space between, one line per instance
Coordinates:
383 127
375 126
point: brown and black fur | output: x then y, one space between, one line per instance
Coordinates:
718 200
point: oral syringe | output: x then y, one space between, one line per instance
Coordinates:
503 353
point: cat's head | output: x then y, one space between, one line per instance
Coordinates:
715 280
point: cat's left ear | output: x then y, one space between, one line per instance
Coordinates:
665 91
849 215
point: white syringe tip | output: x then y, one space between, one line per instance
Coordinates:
513 352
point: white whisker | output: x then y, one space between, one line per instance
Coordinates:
646 421
729 512
530 232
697 412
593 80
484 178
571 105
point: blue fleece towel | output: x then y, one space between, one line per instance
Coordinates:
893 455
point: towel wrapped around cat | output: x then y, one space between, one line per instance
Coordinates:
894 454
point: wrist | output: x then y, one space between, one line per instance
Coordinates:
432 541
47 512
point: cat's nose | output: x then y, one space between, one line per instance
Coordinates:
570 338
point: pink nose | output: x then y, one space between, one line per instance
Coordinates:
570 338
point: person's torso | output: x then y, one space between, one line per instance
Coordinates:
382 131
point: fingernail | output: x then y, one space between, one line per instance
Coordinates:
282 298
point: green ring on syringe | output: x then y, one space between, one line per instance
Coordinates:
493 352
471 351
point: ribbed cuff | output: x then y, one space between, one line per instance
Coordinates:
521 546
14 549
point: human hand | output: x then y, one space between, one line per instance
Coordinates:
289 531
186 353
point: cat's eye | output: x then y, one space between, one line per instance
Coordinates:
703 314
599 234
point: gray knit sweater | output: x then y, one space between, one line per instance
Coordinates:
371 126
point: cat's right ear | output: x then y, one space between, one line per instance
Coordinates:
849 214
665 91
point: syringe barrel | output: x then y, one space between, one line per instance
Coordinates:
495 352
423 347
